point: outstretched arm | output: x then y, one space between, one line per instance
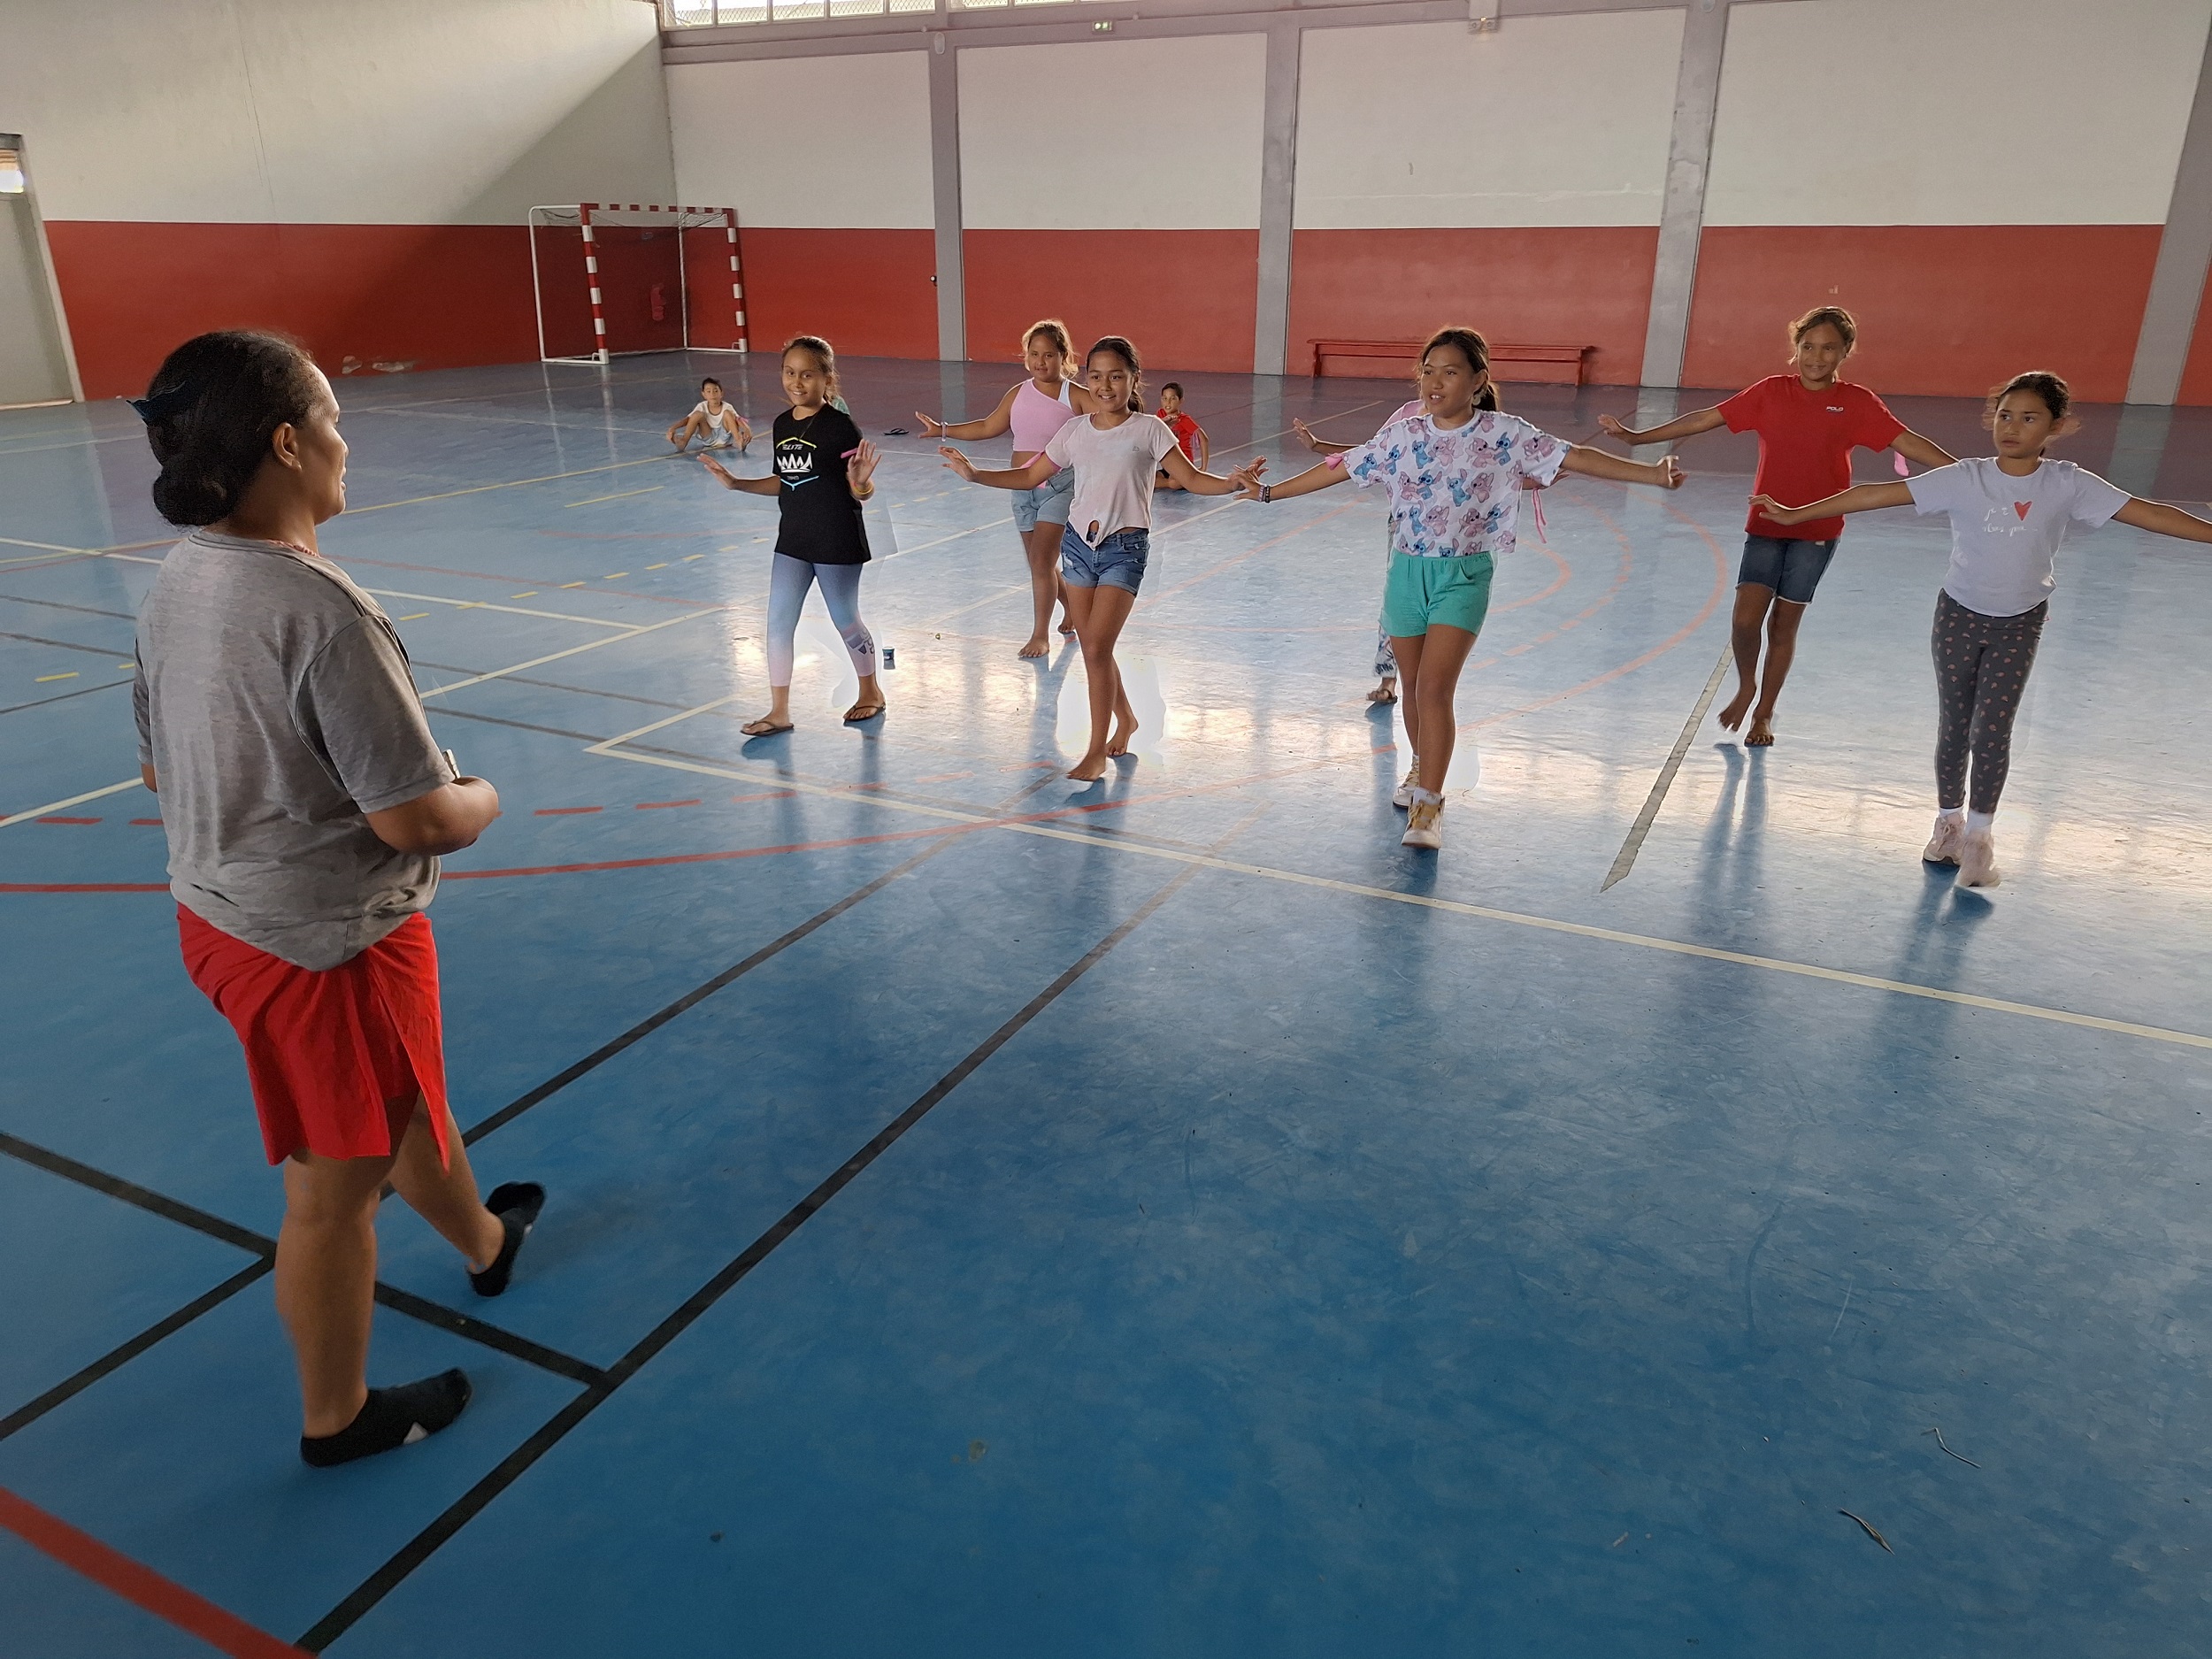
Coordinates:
2159 518
1318 445
1913 447
997 424
1662 474
1681 426
1030 473
1312 479
1858 498
767 486
1177 466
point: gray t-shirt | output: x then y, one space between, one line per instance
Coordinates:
276 708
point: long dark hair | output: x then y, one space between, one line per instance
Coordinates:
1127 353
1476 350
210 411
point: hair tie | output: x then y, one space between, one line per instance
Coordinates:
161 405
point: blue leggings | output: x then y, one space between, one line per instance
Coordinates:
788 579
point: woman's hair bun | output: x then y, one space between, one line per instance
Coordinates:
210 412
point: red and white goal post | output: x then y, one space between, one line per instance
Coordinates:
611 280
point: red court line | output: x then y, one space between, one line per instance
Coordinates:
647 806
564 811
154 821
139 1585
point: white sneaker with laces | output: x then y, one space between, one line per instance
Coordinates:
1406 791
1978 860
1424 823
1943 846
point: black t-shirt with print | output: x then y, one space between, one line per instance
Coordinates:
821 520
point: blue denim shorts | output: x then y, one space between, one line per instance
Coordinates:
1117 561
1793 569
1047 503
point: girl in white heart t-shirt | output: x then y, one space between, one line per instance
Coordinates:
2009 516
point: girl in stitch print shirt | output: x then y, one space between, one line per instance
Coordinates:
1454 473
2009 516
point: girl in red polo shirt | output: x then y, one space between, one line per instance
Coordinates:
1808 423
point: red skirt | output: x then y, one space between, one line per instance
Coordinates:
338 1056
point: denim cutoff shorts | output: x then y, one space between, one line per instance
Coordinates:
1047 503
1793 569
1117 561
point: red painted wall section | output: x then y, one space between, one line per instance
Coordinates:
867 292
2196 371
432 295
1542 286
1943 310
1186 299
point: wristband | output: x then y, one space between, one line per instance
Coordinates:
1267 492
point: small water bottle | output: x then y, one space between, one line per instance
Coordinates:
890 659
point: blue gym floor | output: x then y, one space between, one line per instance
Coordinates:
995 1217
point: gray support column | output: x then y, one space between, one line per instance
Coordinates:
2169 315
1278 167
944 171
1682 214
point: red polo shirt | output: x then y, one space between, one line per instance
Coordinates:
1805 444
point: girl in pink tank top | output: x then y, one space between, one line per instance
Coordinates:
1032 412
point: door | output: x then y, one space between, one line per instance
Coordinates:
35 366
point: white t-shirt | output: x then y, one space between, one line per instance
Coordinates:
2006 531
1456 491
1113 473
723 427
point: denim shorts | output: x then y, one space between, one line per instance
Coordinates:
1047 503
1793 569
1117 561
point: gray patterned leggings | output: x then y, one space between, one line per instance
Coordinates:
1981 667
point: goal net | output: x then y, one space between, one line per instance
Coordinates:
611 280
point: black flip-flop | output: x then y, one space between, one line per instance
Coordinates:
747 732
859 718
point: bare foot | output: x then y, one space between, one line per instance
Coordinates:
767 726
1090 769
1732 716
1761 732
1067 628
1118 745
1387 692
1038 646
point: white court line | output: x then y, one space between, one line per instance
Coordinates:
1610 935
50 546
589 645
485 604
605 744
75 800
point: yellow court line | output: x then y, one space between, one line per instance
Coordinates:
43 679
555 657
512 483
620 495
418 617
479 605
1294 878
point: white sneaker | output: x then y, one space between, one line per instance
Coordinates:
1943 846
1424 823
1403 797
1978 860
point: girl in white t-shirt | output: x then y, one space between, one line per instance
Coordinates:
1114 453
2009 516
1033 410
716 424
1455 473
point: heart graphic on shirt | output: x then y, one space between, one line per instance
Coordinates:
2021 507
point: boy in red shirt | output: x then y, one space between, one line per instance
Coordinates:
1808 424
1190 437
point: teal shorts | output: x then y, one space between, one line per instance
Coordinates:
1423 592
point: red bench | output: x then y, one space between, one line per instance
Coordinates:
1553 366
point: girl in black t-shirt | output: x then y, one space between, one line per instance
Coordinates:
823 470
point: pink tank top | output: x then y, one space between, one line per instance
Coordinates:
1035 416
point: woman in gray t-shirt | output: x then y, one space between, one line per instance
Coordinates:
306 805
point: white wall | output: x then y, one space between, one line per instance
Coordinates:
1561 120
1183 152
862 163
1956 113
335 112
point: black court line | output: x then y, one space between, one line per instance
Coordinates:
690 999
81 691
67 645
1625 859
260 1245
120 1355
56 604
419 1548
